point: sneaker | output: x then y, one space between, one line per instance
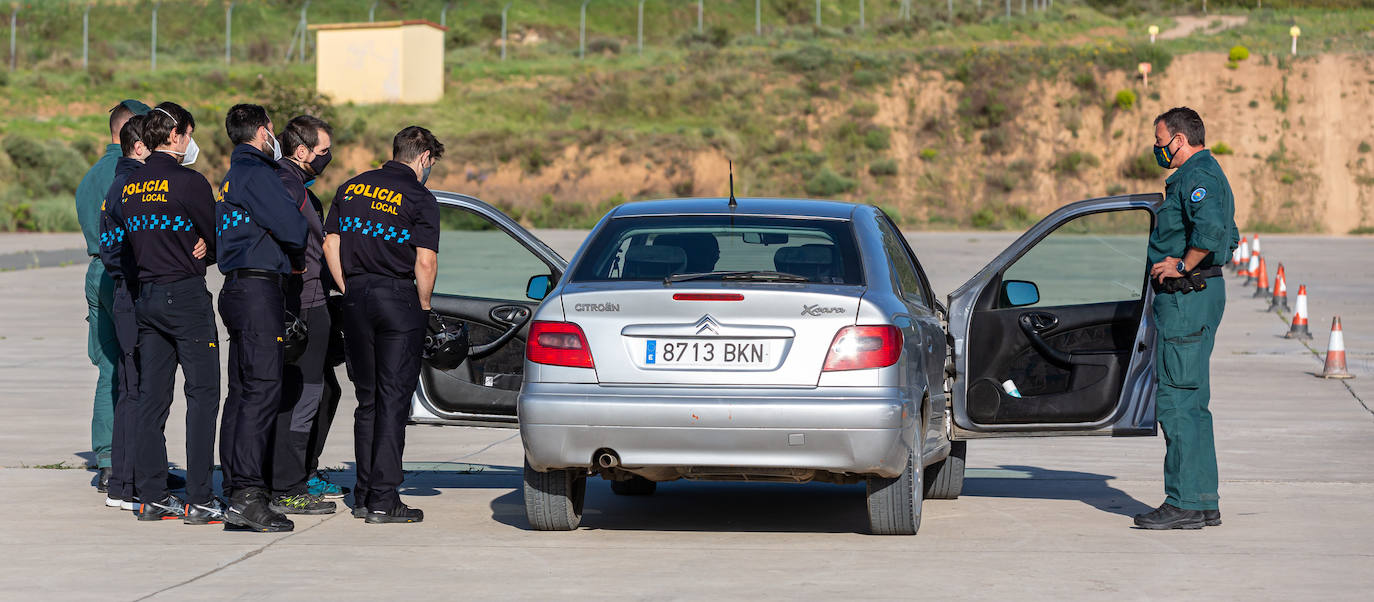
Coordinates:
303 503
112 502
250 509
169 508
102 484
129 504
400 514
1212 518
360 512
319 485
209 513
1169 516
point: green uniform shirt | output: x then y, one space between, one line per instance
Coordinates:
90 195
1198 212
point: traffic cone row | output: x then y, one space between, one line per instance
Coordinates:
1248 261
1261 280
1298 330
1280 294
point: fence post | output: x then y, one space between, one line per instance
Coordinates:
503 29
153 59
86 37
701 9
758 18
14 23
639 37
372 13
228 32
1008 9
951 10
862 24
304 27
818 13
443 15
582 32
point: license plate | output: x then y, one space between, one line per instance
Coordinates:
714 353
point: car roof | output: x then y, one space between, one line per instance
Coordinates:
746 206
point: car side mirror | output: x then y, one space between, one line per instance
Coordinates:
1018 293
539 287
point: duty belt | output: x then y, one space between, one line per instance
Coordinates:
1194 280
273 277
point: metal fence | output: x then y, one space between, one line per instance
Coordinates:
38 16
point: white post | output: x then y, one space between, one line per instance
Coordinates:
305 28
1023 7
153 59
862 24
640 28
86 37
14 23
1008 9
818 13
443 14
372 13
582 32
228 31
701 9
503 30
951 10
758 17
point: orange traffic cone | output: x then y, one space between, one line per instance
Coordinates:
1243 267
1262 280
1235 259
1335 353
1280 294
1298 330
1254 243
1254 268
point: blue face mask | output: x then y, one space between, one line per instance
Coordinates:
309 182
424 175
1163 156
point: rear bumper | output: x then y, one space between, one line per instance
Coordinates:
842 430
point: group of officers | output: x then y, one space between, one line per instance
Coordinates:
153 224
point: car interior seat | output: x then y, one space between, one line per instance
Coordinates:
816 262
650 262
701 247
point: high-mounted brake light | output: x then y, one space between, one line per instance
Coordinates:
708 297
558 344
860 347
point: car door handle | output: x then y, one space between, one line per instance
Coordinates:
1034 323
514 317
1041 321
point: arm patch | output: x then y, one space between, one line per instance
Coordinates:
1199 193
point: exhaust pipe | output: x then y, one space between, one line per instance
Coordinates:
607 459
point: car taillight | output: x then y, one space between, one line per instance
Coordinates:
859 347
558 344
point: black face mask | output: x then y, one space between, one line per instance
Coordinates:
320 162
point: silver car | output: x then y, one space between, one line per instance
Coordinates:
787 340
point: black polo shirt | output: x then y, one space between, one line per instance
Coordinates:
164 208
381 217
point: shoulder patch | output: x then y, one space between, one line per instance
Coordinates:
1199 193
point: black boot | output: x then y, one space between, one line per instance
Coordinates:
401 513
1168 516
103 483
1212 517
250 509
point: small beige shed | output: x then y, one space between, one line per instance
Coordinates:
386 61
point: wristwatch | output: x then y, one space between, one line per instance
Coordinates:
1181 269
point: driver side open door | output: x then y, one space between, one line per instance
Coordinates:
1054 336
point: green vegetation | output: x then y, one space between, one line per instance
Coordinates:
1074 162
928 154
828 184
1362 230
1125 99
1238 53
1364 147
1142 167
1221 148
883 167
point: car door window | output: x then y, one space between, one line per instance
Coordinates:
1095 258
478 259
900 259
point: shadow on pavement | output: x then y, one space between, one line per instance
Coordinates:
1031 482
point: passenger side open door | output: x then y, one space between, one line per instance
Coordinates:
493 273
1054 336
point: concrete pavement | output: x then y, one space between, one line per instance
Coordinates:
1039 518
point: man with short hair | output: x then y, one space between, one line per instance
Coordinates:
167 209
261 242
1194 234
381 244
102 346
309 391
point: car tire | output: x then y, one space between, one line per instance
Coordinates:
635 485
945 479
894 504
553 499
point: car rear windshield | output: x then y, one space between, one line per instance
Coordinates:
659 247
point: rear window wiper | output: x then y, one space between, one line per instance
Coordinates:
759 275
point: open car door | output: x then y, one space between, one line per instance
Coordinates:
492 275
1055 336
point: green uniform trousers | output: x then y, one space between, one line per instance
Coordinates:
1187 326
102 346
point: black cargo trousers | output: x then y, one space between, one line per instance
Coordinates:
176 326
126 391
384 332
303 389
251 304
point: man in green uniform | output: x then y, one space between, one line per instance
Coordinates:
101 344
1194 235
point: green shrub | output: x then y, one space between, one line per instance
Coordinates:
44 168
55 214
805 59
1142 167
603 45
883 167
983 219
1364 147
1254 104
1125 99
1232 65
1073 162
1221 148
928 154
878 138
1238 53
826 183
1085 81
1002 181
863 110
865 78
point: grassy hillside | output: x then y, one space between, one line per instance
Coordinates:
888 114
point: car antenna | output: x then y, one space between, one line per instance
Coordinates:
733 202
